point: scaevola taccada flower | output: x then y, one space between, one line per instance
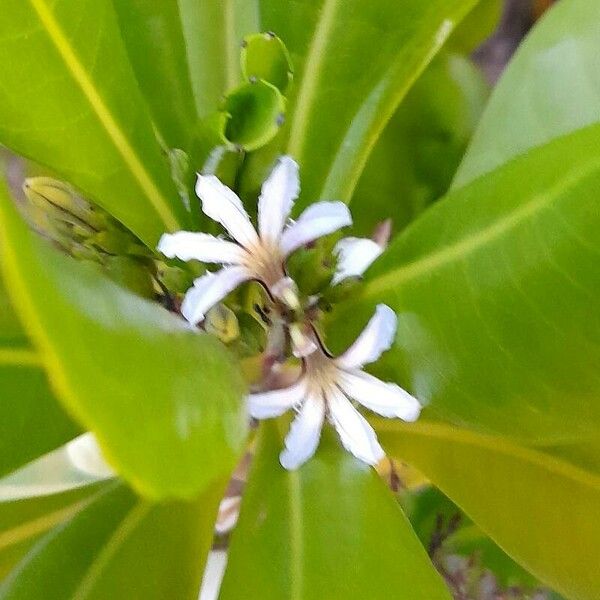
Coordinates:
325 389
253 254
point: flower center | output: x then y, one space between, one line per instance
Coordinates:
266 262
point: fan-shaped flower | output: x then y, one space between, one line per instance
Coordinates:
258 255
324 390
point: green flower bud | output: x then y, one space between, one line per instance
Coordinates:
222 323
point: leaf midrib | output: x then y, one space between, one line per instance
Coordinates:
30 529
497 445
474 242
128 524
106 119
19 357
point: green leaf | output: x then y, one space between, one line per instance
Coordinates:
120 547
264 56
581 453
79 110
495 290
329 530
521 498
153 35
416 156
476 27
26 520
164 401
339 106
255 112
31 420
550 88
214 31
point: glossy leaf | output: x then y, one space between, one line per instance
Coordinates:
495 289
120 547
521 498
23 521
164 401
213 32
330 530
31 420
415 159
153 35
477 27
338 106
79 110
550 88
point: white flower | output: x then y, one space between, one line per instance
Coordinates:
253 254
324 391
355 256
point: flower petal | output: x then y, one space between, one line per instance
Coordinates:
277 198
317 220
355 256
222 205
210 289
85 454
356 434
189 245
266 405
376 338
304 434
387 399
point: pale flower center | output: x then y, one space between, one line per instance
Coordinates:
266 262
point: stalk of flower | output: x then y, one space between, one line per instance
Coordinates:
251 254
324 392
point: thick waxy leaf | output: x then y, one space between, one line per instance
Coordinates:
214 31
164 401
80 112
24 521
31 420
519 497
416 156
120 547
330 530
153 35
495 289
339 106
550 88
476 27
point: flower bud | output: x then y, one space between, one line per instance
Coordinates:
221 322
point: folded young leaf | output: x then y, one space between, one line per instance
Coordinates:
542 511
164 401
329 530
550 88
496 288
79 110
